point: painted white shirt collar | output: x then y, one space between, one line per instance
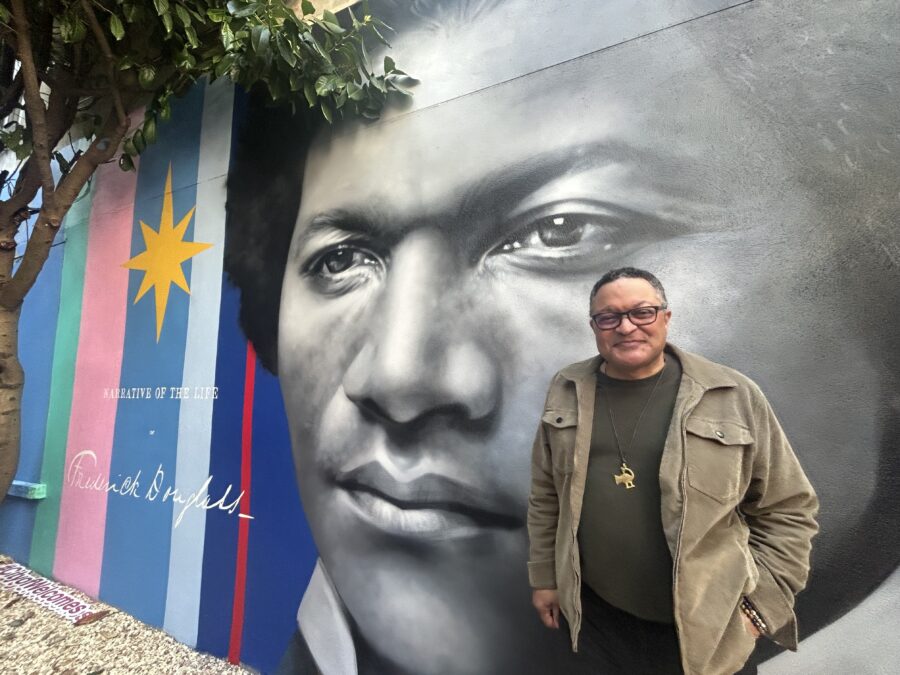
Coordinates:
324 626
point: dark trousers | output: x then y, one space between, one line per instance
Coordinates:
613 641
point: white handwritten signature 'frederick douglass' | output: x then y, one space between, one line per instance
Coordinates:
83 474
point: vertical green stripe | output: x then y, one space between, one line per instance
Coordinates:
43 538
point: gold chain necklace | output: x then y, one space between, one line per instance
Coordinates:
626 475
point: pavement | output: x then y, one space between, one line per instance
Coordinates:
36 641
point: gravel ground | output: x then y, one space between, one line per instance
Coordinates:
35 641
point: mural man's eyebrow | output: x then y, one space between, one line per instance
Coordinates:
343 223
501 190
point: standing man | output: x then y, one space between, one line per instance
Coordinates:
669 520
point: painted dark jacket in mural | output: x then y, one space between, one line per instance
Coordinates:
738 511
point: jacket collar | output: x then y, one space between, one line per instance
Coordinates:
707 374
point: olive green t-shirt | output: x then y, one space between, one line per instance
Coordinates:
624 556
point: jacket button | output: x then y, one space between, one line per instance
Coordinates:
559 420
720 434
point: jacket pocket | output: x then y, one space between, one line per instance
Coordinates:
715 456
560 429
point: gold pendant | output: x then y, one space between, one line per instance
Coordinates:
625 478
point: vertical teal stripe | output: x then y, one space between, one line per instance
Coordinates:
43 539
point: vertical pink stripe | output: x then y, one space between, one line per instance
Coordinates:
82 520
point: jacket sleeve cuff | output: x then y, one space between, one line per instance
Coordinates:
775 609
542 574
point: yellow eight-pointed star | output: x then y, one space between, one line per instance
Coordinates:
166 251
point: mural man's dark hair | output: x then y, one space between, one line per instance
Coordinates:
264 185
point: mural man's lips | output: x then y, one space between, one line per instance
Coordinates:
429 505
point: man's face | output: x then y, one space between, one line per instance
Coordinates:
629 347
436 281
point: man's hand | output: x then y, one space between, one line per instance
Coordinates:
546 602
749 627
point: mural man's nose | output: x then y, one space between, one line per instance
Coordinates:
418 359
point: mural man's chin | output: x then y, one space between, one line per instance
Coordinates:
434 268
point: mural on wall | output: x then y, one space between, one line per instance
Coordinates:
414 283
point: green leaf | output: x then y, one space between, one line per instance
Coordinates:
79 30
162 6
224 66
380 36
146 76
5 16
392 84
326 84
389 65
217 15
150 130
355 92
192 36
65 28
309 91
326 112
72 29
64 165
307 7
138 141
285 50
330 17
295 79
259 39
227 37
241 12
333 28
185 59
167 22
126 163
183 15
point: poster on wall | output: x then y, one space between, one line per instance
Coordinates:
310 359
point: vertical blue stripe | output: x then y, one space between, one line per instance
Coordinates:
220 546
37 331
282 554
138 528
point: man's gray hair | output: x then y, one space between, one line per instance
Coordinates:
630 273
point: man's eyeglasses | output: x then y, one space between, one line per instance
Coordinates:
639 316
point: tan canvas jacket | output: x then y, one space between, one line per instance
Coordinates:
737 510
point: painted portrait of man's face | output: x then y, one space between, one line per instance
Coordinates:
439 272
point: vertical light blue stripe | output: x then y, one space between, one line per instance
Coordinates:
195 419
138 527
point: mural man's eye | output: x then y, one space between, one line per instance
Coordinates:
341 260
561 230
556 231
343 268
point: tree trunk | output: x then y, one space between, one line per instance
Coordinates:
12 378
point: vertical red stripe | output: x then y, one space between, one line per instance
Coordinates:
240 573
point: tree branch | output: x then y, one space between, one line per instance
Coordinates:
110 60
33 103
38 248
